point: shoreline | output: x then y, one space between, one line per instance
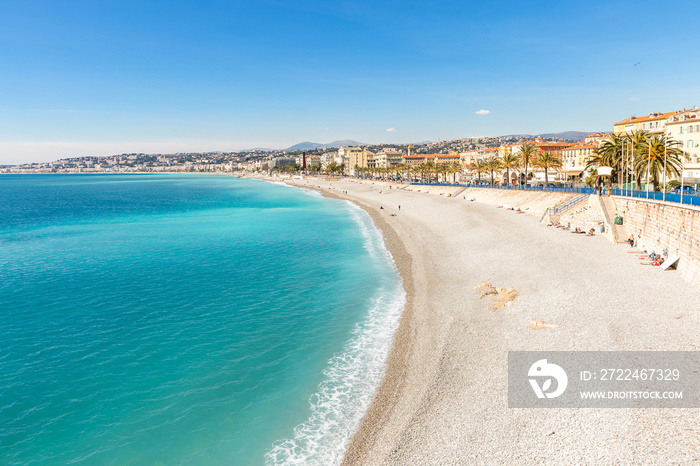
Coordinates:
394 372
443 398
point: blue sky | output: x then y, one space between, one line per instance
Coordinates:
99 78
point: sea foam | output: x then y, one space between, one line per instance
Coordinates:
351 377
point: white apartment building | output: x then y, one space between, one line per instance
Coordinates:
684 127
388 158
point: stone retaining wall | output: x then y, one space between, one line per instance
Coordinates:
662 225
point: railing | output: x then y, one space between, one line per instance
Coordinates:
516 187
418 183
689 199
567 205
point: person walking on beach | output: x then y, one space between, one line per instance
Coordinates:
399 208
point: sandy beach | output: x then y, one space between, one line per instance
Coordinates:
444 396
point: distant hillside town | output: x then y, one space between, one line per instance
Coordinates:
503 159
247 160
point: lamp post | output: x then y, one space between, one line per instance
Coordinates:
648 169
685 131
625 165
665 176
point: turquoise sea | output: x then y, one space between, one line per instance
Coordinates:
186 319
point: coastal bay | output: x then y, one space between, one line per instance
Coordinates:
444 395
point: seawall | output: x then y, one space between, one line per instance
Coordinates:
659 225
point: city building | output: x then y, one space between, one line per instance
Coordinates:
388 158
359 157
653 123
282 162
684 127
574 159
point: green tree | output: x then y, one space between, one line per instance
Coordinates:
509 162
610 154
545 161
479 167
455 168
651 159
527 153
443 169
493 164
429 168
638 141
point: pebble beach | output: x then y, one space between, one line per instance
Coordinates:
443 399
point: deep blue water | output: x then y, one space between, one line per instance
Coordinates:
186 320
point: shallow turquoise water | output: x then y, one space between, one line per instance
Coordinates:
186 320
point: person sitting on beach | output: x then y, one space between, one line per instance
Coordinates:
630 240
591 232
656 262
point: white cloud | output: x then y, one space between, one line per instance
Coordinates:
483 112
391 130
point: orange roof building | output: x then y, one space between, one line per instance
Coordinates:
438 159
555 147
654 123
576 156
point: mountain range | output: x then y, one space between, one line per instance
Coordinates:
315 145
573 135
306 145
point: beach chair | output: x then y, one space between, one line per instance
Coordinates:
668 263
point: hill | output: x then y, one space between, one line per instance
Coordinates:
572 135
315 145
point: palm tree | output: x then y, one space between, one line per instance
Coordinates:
430 167
399 169
414 170
479 167
455 168
509 162
493 164
528 152
443 169
639 140
609 154
546 161
652 157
